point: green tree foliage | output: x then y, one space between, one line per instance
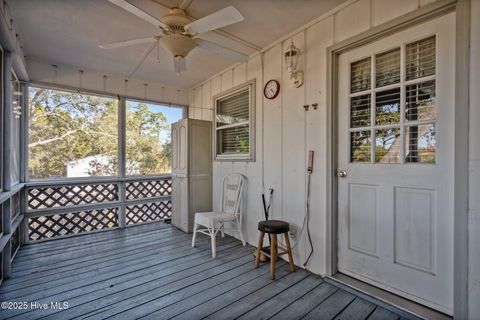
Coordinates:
145 152
65 127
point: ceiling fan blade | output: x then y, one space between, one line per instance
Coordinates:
227 53
219 19
139 13
126 43
179 64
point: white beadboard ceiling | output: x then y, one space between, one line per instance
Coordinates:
69 32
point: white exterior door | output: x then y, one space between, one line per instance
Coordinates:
395 160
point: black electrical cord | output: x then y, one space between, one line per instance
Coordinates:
308 218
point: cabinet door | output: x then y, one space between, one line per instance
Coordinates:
200 148
180 203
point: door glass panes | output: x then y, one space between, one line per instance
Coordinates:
360 111
387 145
387 109
360 142
420 58
398 113
387 66
420 143
360 77
420 101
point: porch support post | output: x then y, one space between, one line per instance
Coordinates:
7 157
24 161
122 160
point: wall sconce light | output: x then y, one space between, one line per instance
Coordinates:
291 61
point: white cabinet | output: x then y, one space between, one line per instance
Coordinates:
191 171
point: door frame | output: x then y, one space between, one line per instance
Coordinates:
421 15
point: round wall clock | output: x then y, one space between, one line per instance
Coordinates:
271 89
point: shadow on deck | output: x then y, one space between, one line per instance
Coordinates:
152 272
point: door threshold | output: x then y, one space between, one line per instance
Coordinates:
390 301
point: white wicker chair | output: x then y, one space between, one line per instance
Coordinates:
213 222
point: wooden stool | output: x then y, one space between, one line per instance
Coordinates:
274 227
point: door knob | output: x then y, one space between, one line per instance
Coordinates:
341 173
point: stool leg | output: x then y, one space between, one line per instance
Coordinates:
259 248
273 256
289 251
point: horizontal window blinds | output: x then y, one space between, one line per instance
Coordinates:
233 109
420 57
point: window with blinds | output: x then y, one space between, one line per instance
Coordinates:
233 123
393 105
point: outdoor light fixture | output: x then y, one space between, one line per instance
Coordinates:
291 61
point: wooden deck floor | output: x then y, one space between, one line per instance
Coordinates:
151 272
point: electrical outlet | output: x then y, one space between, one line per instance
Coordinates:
293 232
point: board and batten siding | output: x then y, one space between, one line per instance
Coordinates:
284 132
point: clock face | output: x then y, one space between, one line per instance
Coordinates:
271 89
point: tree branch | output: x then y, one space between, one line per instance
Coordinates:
42 142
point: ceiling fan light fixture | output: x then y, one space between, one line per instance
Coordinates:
177 44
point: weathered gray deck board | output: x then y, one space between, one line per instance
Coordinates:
383 314
151 272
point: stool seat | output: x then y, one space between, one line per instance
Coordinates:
273 226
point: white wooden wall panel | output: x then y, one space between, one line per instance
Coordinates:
293 147
272 131
240 74
254 168
474 151
197 97
64 75
319 37
352 20
206 96
227 80
385 10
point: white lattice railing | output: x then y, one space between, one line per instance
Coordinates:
59 209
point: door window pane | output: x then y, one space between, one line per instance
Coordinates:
420 58
148 138
420 144
420 101
71 135
360 77
360 142
360 111
387 109
387 66
387 145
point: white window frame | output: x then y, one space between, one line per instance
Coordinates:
250 155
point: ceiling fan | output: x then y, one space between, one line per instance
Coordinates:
180 34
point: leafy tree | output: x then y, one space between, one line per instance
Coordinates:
65 127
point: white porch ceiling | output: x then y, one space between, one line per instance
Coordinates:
69 32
